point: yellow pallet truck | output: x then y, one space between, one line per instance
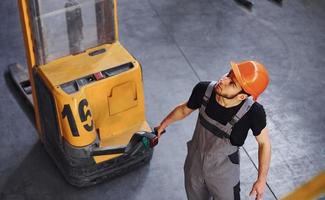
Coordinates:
85 87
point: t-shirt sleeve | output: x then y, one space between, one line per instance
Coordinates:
196 97
258 119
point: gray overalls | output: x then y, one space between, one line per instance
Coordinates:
212 163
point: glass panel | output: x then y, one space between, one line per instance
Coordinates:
64 27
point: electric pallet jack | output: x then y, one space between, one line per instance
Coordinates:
85 87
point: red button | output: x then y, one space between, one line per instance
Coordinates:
99 75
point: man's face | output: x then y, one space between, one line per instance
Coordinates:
228 86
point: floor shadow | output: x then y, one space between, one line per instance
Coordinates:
37 178
33 177
277 2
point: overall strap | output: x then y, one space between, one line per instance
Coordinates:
240 113
207 95
212 125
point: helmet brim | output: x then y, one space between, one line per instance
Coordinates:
237 73
242 83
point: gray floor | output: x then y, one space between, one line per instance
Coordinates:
180 42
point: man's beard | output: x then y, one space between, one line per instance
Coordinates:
227 96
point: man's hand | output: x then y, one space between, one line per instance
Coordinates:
159 129
259 189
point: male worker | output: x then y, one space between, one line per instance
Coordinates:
226 113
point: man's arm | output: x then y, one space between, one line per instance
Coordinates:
178 113
264 157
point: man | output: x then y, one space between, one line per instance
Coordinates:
226 113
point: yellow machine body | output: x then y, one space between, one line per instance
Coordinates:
116 103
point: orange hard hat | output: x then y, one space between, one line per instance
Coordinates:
251 76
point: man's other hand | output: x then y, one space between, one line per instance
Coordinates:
259 189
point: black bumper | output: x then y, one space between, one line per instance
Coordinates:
90 173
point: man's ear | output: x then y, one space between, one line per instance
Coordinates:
242 96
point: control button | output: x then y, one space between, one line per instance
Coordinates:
99 75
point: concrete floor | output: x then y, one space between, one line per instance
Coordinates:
180 42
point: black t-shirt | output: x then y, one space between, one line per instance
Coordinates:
254 119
